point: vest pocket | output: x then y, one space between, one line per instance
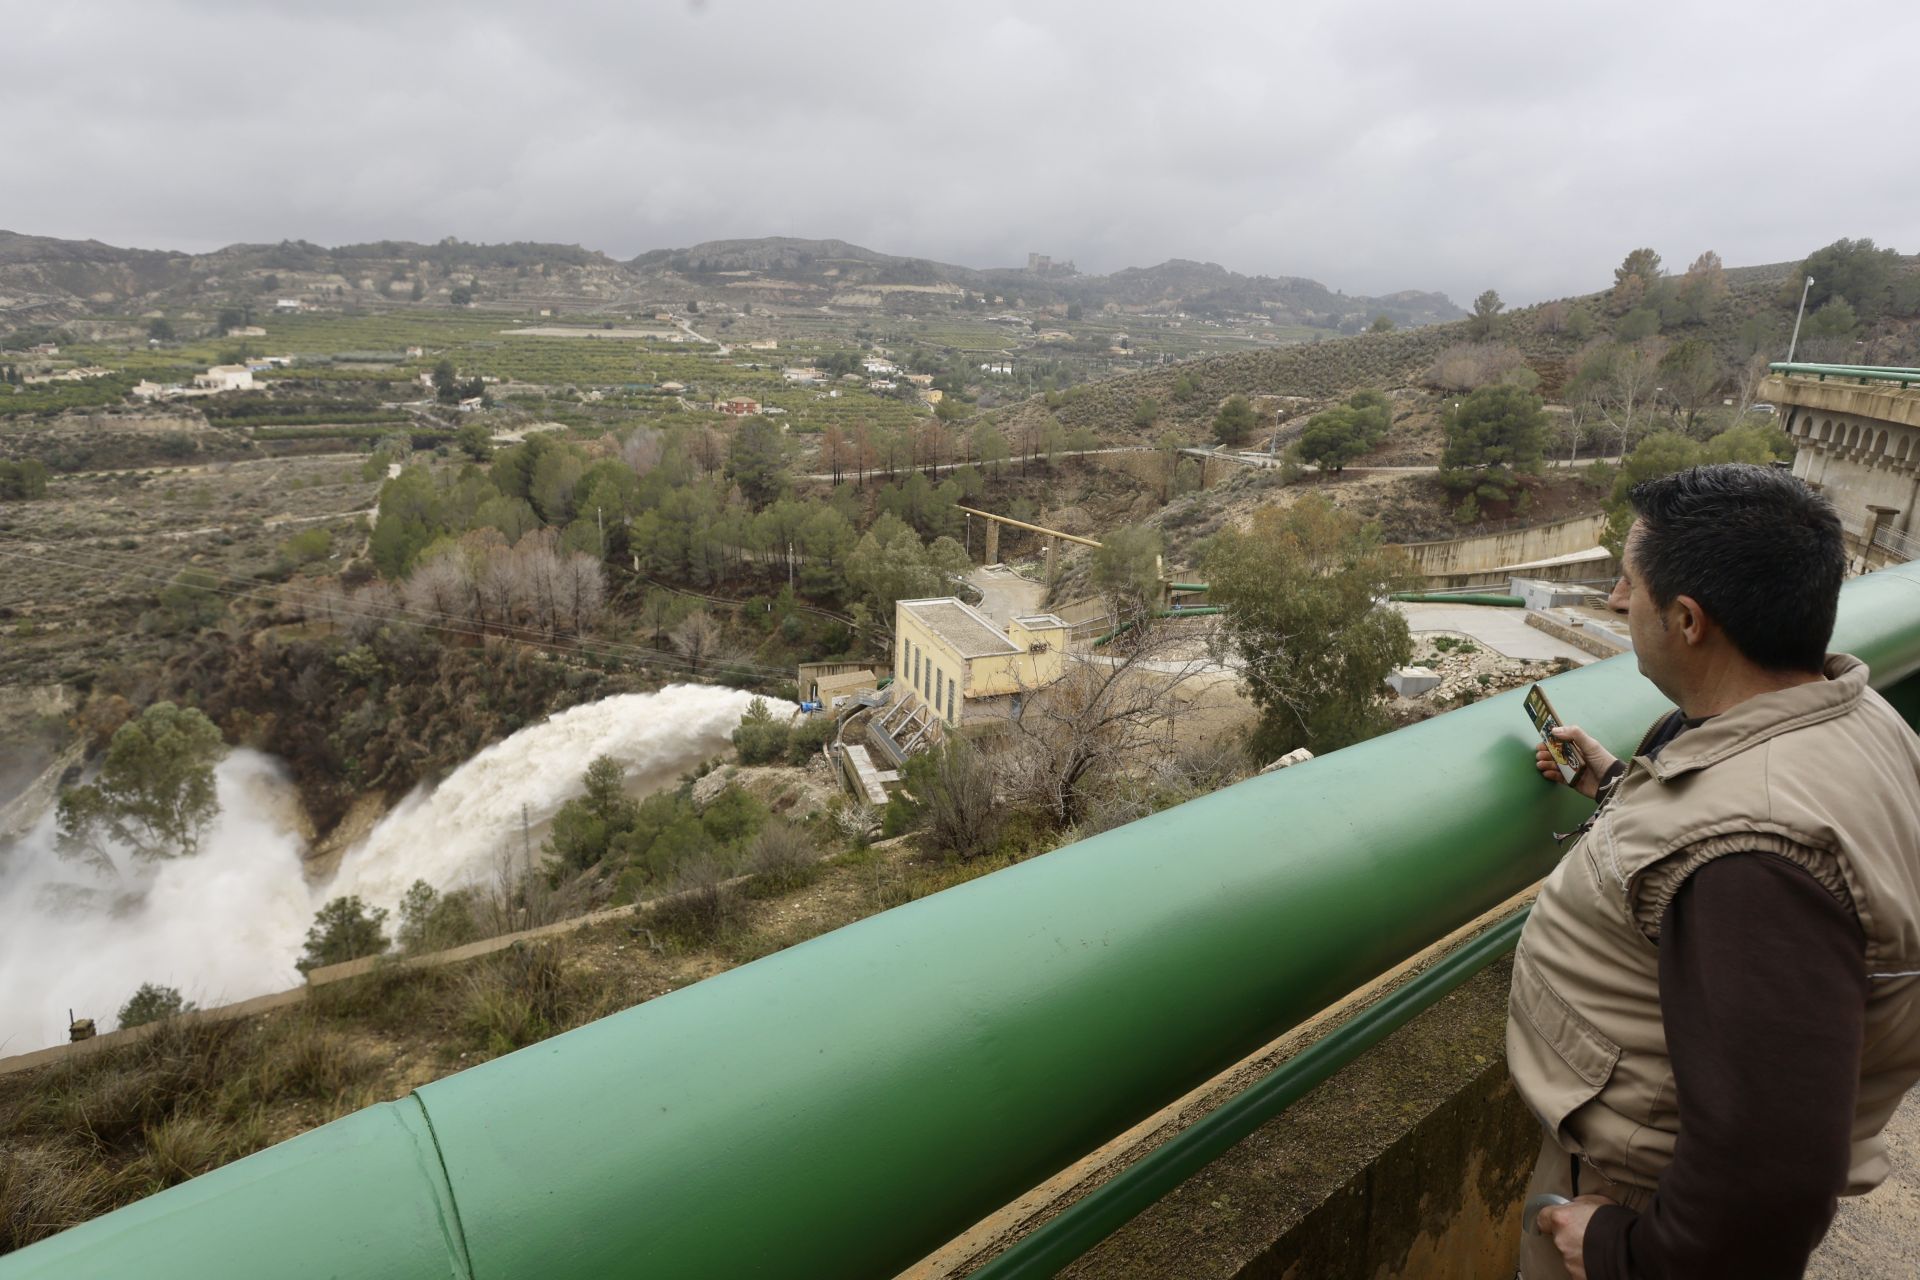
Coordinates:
1558 1059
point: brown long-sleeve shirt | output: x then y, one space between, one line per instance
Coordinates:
1762 995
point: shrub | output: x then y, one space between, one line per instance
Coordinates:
431 921
1468 365
345 929
781 858
308 546
808 736
698 903
524 995
761 738
151 1003
953 787
1235 421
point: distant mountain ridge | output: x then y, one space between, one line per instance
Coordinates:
49 280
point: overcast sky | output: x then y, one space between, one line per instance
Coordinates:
1523 146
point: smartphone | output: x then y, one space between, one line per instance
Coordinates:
1564 754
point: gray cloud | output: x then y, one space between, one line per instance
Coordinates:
1373 146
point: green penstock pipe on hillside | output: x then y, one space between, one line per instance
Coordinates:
842 1108
1471 597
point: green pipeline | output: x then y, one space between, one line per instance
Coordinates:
1189 611
1434 597
843 1107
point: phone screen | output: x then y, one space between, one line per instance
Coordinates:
1564 754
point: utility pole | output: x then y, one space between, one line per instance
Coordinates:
602 522
1794 345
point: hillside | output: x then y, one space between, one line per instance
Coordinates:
1753 319
50 281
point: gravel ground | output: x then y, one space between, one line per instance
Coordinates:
1877 1236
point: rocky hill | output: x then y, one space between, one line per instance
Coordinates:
50 281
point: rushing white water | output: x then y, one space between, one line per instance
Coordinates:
456 834
229 922
223 925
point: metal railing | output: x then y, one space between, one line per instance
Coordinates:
1906 377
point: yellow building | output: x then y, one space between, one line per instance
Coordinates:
965 668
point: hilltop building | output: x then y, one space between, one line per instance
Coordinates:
739 406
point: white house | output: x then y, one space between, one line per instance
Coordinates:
225 377
879 368
1001 367
287 304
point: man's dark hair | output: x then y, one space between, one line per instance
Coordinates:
1761 552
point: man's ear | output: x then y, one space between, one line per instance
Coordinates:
1693 620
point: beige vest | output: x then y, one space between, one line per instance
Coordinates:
1826 775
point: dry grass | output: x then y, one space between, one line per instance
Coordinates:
97 1132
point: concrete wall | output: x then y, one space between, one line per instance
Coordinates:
936 661
1015 672
1411 1162
1860 444
19 814
1501 550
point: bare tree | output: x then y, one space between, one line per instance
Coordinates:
709 449
696 638
1748 379
439 587
1111 715
1628 385
643 449
368 608
583 590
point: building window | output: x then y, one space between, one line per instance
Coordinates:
951 708
936 689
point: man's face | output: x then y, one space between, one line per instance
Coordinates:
1653 640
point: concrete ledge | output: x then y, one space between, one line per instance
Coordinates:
1411 1162
132 1035
1579 637
987 1238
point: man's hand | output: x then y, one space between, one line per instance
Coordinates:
1567 1224
1598 760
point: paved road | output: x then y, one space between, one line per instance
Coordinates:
1006 595
687 327
936 468
1504 631
1274 460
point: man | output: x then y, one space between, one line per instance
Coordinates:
1716 1001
